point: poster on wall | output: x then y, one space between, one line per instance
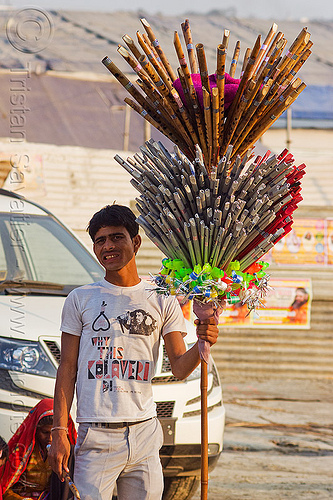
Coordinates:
287 305
305 244
329 241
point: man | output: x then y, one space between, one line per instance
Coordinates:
112 365
299 308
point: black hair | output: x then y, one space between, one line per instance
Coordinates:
133 313
113 215
4 449
48 420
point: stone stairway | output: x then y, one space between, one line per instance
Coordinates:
298 353
241 353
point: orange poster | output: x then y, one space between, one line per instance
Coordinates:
329 241
287 305
305 244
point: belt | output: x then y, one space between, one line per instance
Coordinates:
116 425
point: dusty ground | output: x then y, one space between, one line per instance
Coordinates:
278 441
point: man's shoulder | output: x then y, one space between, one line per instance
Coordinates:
86 289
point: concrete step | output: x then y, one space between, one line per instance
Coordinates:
275 357
301 342
242 372
268 347
240 365
285 335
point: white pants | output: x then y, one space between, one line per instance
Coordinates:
128 456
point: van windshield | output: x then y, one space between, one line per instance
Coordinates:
39 252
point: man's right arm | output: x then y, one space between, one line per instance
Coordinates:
63 397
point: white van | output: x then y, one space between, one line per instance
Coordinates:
40 262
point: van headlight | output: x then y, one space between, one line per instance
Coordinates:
195 374
25 356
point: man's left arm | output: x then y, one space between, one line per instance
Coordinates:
184 362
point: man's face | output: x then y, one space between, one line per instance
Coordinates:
114 248
300 296
139 316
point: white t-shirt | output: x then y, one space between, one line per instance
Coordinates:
120 331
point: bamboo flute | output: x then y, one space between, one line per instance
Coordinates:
257 108
279 97
284 76
203 66
292 54
246 77
265 108
294 68
162 128
208 121
186 114
178 124
193 99
157 101
247 115
166 113
265 46
156 79
239 109
245 60
153 51
158 48
153 60
135 65
155 97
189 45
272 53
261 78
215 127
220 78
169 97
267 81
128 85
234 61
186 92
275 114
131 45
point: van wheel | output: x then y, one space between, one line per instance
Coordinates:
180 488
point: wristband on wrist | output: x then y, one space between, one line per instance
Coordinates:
60 428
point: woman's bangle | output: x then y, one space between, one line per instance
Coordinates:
60 429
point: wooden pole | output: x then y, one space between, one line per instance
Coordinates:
127 127
204 431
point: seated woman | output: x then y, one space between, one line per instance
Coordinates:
3 459
27 473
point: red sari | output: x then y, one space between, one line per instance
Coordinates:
22 443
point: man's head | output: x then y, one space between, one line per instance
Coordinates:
138 315
114 232
301 298
113 215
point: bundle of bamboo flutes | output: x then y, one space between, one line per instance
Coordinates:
268 86
236 213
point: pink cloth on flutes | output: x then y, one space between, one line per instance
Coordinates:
230 88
